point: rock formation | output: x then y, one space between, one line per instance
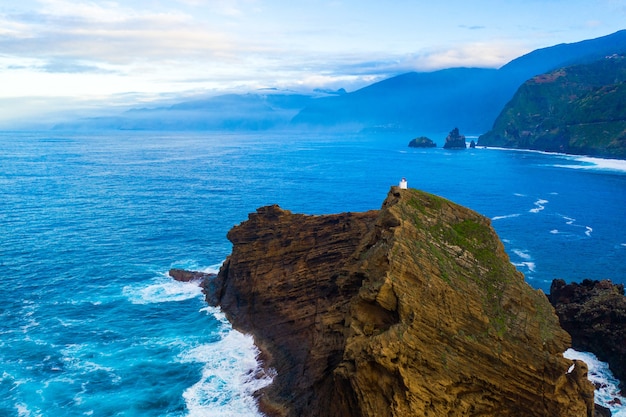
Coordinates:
422 142
183 275
594 314
454 140
410 310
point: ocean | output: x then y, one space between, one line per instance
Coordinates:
90 323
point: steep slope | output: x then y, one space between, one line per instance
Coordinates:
410 310
470 98
594 314
579 109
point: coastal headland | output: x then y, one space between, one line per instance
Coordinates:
410 310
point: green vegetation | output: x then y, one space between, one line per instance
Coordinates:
578 110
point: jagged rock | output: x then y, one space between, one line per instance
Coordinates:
472 144
594 314
601 411
410 310
454 140
202 278
422 142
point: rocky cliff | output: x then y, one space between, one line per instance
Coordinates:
578 110
594 314
410 310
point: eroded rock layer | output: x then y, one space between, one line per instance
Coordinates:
410 310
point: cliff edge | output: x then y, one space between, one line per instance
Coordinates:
577 110
410 310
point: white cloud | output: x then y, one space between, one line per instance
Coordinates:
476 54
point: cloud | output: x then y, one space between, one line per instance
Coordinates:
109 33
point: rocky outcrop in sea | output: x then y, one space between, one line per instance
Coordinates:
455 140
422 142
410 310
594 314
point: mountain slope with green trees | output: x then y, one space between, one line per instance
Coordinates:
579 109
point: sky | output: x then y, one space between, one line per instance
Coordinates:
85 55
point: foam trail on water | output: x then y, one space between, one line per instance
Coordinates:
166 289
230 376
607 386
591 163
539 205
526 260
506 216
161 290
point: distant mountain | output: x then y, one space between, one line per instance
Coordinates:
258 111
469 98
416 102
579 109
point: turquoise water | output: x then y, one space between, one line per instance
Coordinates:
90 324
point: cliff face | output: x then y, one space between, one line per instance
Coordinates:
411 310
578 110
594 314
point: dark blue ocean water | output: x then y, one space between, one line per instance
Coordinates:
90 324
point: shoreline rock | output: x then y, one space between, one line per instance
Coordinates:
594 314
410 310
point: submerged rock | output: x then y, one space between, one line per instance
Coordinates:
410 310
594 314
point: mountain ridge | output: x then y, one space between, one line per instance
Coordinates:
577 109
413 102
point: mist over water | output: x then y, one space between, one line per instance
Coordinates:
90 323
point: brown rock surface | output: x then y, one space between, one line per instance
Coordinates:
594 314
411 310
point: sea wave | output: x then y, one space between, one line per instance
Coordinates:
231 374
163 288
607 386
592 163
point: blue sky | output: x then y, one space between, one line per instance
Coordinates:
58 55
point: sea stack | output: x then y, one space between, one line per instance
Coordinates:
410 310
455 140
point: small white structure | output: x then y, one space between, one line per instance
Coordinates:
403 184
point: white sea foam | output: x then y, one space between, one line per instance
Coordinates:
590 163
554 231
23 411
606 384
539 205
528 265
506 216
161 290
230 376
570 221
522 253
